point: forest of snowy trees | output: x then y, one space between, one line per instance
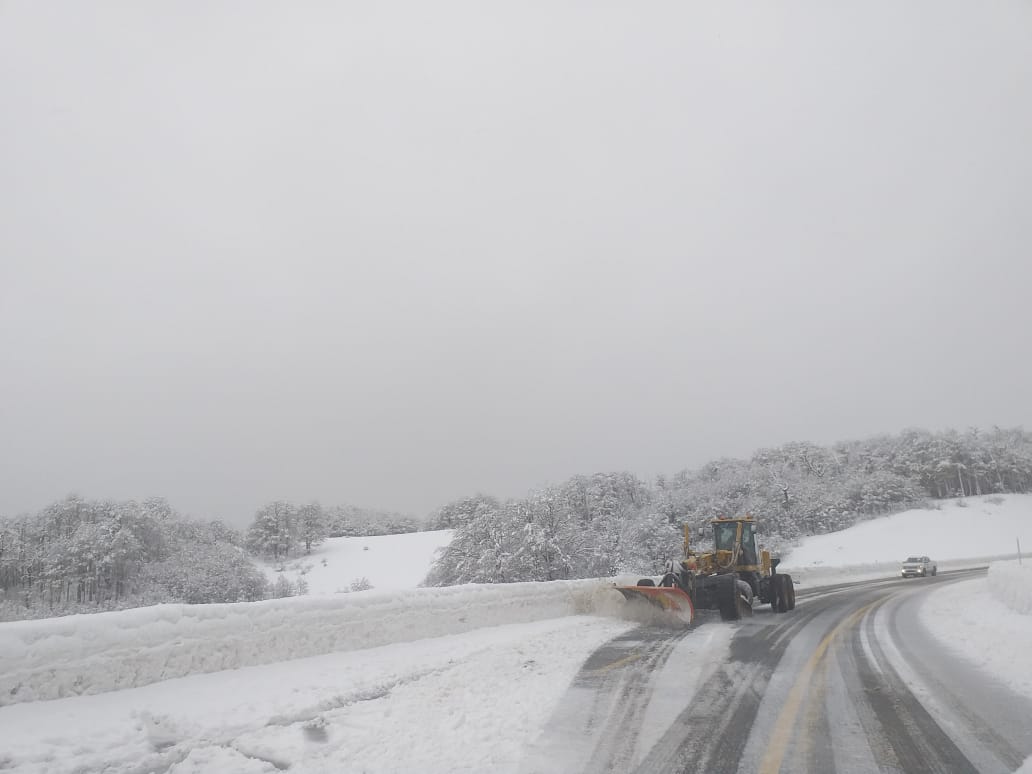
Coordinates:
84 556
281 530
78 555
614 522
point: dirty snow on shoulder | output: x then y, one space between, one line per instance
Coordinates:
349 563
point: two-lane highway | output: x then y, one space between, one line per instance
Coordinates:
849 682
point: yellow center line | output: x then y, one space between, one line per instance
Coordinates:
619 663
782 732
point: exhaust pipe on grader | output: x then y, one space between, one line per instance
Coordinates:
729 579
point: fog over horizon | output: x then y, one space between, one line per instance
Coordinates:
395 254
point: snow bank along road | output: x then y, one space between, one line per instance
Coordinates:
423 680
848 682
84 654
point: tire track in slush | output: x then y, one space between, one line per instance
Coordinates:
597 728
993 739
619 734
905 727
709 736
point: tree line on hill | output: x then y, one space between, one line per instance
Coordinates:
83 556
608 523
282 530
78 555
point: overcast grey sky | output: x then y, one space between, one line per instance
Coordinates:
393 253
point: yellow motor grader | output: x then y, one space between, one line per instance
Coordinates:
729 579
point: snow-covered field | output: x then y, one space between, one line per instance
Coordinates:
385 561
956 534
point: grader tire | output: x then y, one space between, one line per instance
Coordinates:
789 592
779 601
727 599
646 582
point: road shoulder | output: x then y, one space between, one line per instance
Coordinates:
973 625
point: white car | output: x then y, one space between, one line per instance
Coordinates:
917 567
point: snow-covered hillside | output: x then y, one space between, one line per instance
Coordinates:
977 527
385 561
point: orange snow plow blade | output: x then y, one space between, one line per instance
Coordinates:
670 600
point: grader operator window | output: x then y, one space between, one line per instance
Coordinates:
724 536
749 544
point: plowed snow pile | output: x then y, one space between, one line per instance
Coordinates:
471 702
1011 584
83 654
978 621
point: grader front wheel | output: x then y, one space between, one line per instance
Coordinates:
778 594
783 597
789 591
727 599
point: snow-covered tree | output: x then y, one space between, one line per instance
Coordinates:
274 532
459 512
77 555
311 525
